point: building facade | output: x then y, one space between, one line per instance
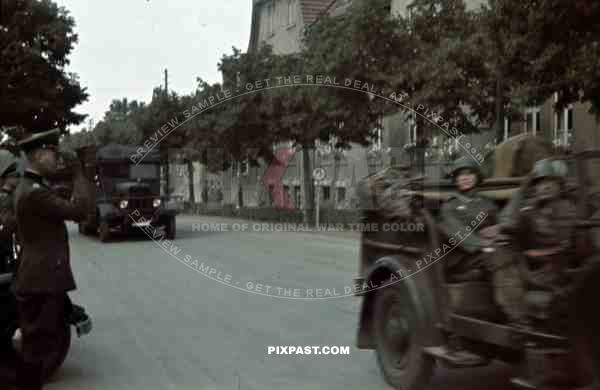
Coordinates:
281 24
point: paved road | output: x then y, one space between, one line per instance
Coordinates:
160 324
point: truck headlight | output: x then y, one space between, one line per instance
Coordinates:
123 204
156 202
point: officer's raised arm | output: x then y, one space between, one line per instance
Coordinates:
39 197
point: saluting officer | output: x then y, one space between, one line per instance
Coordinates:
44 276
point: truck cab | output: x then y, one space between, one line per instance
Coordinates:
127 193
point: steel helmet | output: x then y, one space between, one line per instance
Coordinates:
8 162
466 163
549 168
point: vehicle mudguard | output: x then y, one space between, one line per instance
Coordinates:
379 276
105 210
584 318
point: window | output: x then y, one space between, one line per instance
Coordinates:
563 125
269 18
412 128
326 193
379 131
506 127
291 12
410 18
244 168
341 194
532 120
297 196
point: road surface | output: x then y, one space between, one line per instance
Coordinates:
160 324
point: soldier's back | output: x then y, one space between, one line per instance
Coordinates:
45 263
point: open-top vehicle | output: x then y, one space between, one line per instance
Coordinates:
414 315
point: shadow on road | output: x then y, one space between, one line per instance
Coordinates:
140 236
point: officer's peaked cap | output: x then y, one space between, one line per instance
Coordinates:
41 140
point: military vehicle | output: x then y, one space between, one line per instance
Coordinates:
127 194
413 316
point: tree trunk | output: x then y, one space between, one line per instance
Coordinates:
167 169
308 198
240 195
499 111
420 145
190 168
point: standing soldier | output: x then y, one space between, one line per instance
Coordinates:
44 276
8 222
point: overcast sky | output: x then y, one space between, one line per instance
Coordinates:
125 45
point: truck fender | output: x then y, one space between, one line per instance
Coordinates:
378 276
105 209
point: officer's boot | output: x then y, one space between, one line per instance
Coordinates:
29 375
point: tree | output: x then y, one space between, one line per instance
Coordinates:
121 123
248 125
74 141
558 43
36 38
158 123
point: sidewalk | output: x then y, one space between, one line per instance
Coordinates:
332 230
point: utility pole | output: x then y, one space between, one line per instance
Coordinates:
167 181
166 82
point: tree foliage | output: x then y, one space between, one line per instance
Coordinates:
36 38
558 43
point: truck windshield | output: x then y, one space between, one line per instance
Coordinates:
130 171
144 171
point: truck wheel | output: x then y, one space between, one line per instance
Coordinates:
104 231
170 229
401 333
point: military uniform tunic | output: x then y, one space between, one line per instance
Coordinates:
44 275
462 216
526 287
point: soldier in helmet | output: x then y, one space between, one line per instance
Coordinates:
459 213
44 275
545 231
9 180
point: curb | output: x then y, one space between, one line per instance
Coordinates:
346 233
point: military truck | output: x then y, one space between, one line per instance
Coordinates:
414 316
127 194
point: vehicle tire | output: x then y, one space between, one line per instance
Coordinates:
104 231
402 330
170 228
53 361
